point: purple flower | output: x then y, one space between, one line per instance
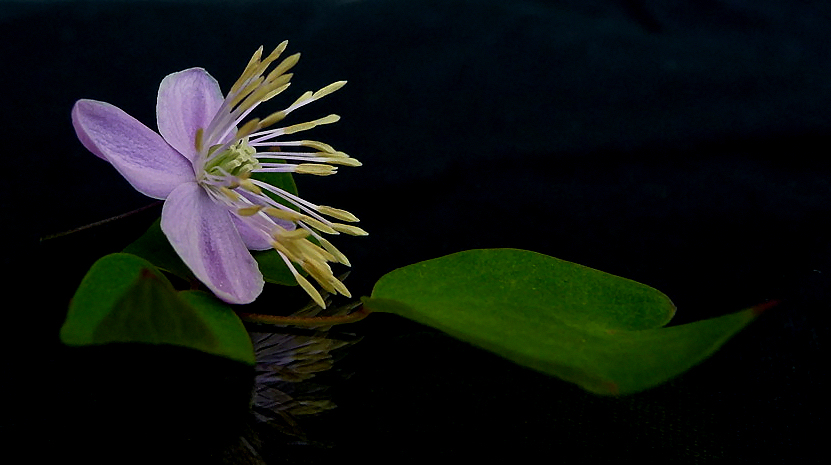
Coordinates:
201 164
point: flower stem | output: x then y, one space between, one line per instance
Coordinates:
306 321
99 223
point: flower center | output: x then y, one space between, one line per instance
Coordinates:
237 160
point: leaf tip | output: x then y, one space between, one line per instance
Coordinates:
758 309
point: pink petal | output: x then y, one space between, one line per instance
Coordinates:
152 166
187 101
204 236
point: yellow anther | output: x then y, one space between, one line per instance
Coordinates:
314 252
319 270
311 124
307 286
259 68
258 95
293 235
286 64
275 54
276 91
343 161
281 78
319 225
340 287
250 87
349 229
324 283
317 145
255 59
312 168
200 133
317 267
229 193
250 186
337 213
247 72
285 251
287 215
302 99
298 127
249 211
272 118
328 89
247 128
339 256
328 119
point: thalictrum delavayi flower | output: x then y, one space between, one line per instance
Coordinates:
201 163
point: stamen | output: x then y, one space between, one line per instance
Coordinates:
250 87
278 89
252 63
304 205
324 283
248 185
285 65
249 211
285 251
328 89
343 161
275 54
247 129
304 283
340 287
307 286
302 100
288 215
312 251
273 118
292 235
337 154
309 125
323 147
318 170
198 143
259 95
319 225
337 213
341 258
229 193
321 273
349 229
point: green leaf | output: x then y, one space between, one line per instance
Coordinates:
274 269
124 298
225 325
154 247
600 331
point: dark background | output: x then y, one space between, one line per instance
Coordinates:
682 144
